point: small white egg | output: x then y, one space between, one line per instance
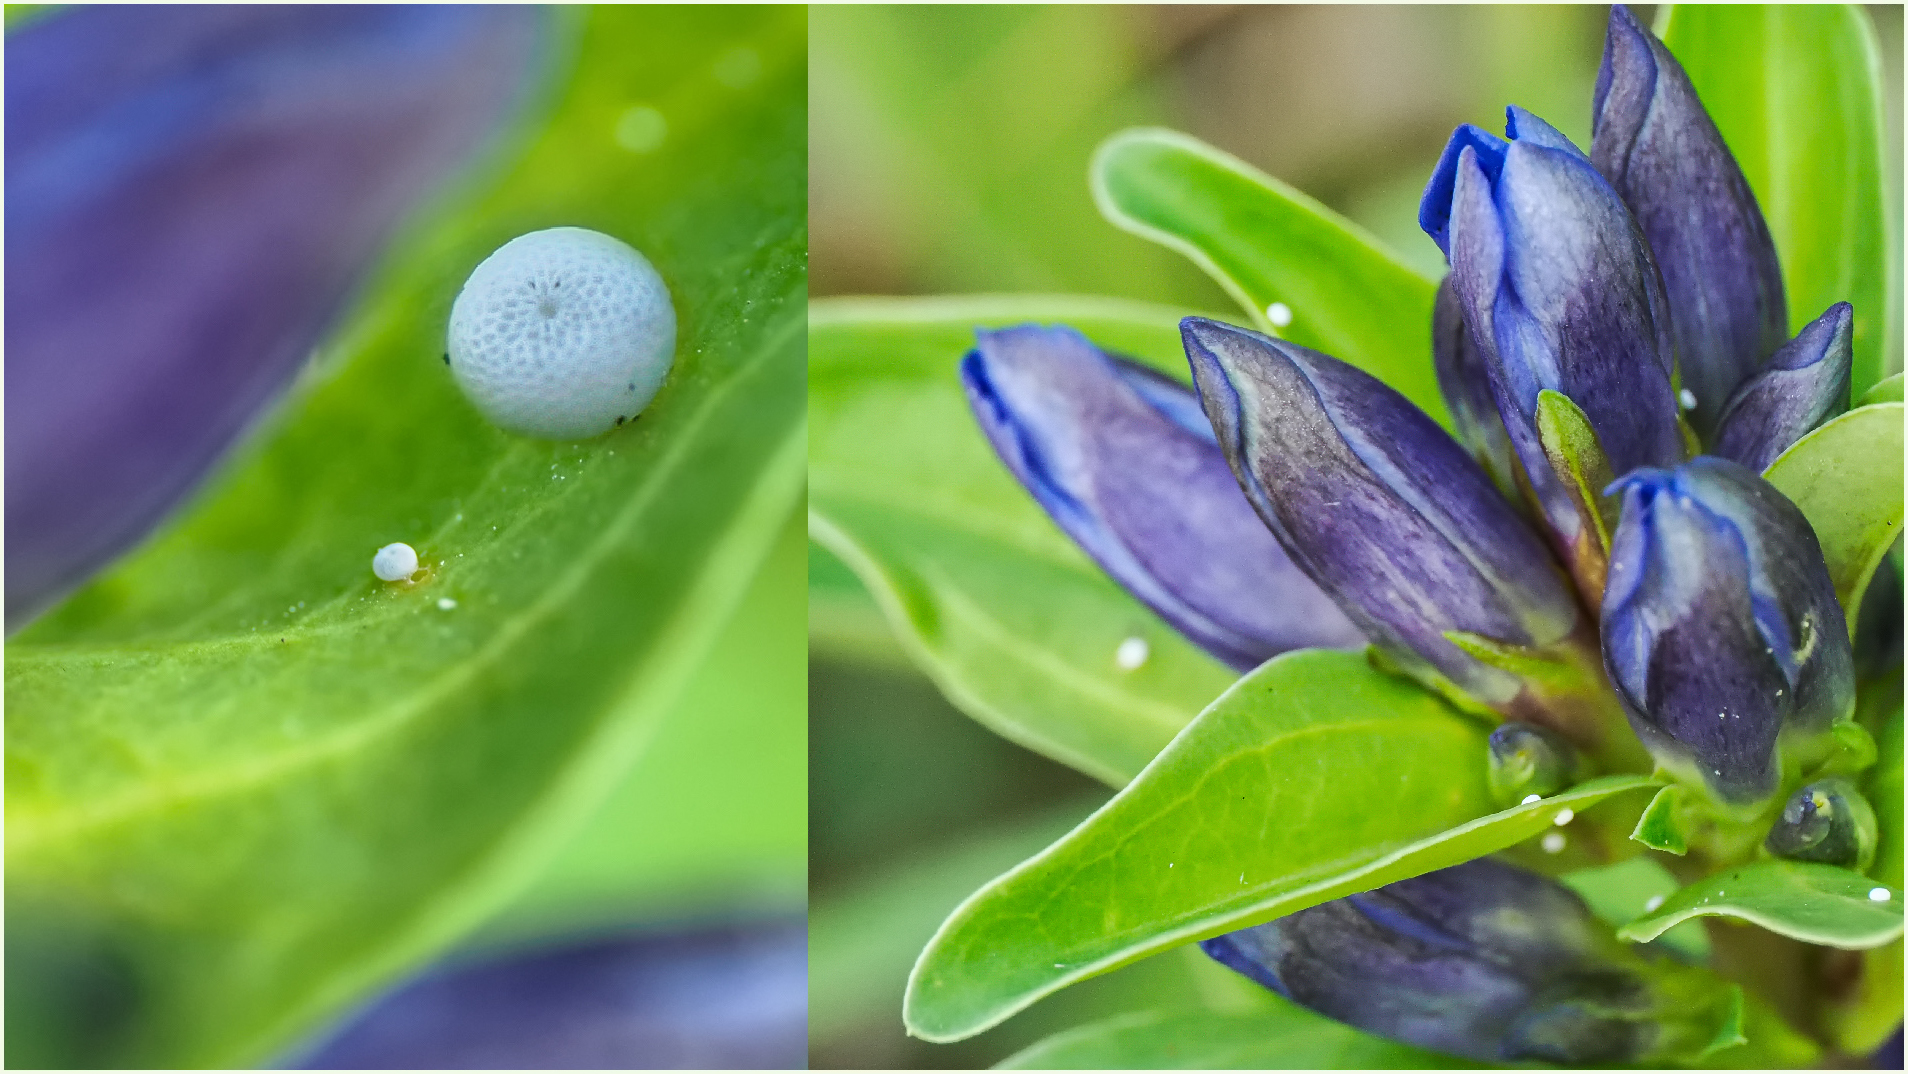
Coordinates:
395 562
562 334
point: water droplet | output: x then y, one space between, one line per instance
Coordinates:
1687 398
1529 798
1878 894
1279 314
1553 842
1650 906
1565 816
1132 654
446 604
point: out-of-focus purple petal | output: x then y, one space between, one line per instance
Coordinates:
1125 462
1557 284
191 193
1804 385
1663 154
1464 379
1480 960
717 999
1721 629
1378 505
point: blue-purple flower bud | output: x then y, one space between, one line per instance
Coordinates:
1557 285
1804 385
1465 382
1379 506
1827 821
1663 154
1481 960
1125 462
1721 629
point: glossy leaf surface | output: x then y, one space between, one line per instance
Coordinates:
1265 242
1313 777
1847 478
1797 92
1014 623
246 781
1819 904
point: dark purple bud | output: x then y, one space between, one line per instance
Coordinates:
1667 160
1125 462
197 190
1721 629
1827 821
1465 382
1379 506
1557 285
1804 385
1480 960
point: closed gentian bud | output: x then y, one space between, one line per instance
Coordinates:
1663 154
1557 285
1480 960
1721 629
1526 759
1379 506
1827 821
1465 382
1125 462
1804 385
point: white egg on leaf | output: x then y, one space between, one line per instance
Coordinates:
562 334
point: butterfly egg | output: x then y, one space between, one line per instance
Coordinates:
562 334
394 562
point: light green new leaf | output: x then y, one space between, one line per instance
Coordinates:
1313 777
1287 1037
1013 622
1888 391
245 781
1796 90
1847 478
1265 242
1819 904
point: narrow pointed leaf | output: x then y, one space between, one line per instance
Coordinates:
249 781
1014 623
1847 478
1265 242
1223 831
1797 92
1819 904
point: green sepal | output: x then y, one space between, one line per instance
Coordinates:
1662 825
1579 461
1566 691
1728 1031
1852 749
1424 675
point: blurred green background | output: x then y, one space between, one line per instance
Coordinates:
948 150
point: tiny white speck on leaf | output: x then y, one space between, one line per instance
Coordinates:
445 603
1878 894
394 562
1565 816
1650 906
1132 654
1279 314
1529 798
1553 842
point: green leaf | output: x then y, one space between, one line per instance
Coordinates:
1819 904
1661 826
1847 478
1288 1037
1265 242
1571 445
1860 1022
1888 391
1797 92
246 782
1619 894
1013 622
1311 778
